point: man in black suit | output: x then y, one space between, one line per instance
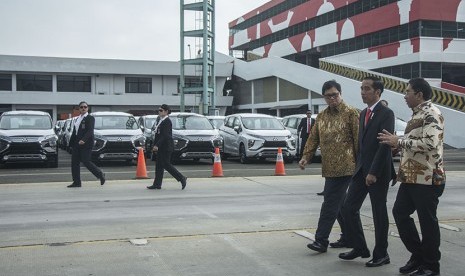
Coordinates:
163 148
373 172
304 129
82 141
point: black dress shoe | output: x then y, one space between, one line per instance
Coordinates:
409 267
183 182
354 254
378 262
153 187
424 272
318 247
321 193
74 185
339 244
102 179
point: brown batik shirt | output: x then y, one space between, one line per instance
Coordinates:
336 132
423 147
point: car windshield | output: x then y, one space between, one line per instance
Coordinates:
25 122
191 123
217 123
149 122
115 122
254 123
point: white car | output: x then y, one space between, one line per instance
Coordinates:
217 121
291 122
256 136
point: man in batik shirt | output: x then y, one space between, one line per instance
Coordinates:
422 178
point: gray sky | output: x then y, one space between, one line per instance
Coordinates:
120 29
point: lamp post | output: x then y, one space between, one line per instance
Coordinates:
189 46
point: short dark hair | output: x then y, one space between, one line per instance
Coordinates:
330 84
421 85
82 103
377 83
166 108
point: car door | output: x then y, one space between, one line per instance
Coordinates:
226 132
236 137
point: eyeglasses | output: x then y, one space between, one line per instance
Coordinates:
331 96
83 106
160 110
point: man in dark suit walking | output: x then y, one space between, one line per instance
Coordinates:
373 172
82 141
304 129
163 148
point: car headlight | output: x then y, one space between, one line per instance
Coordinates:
49 142
99 142
180 143
138 140
291 142
5 142
255 143
217 141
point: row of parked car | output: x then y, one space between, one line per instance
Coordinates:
28 136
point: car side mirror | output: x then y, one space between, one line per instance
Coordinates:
237 129
142 127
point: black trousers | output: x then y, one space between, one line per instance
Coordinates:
334 194
163 162
356 194
303 141
83 155
424 199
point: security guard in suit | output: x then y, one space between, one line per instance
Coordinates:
82 141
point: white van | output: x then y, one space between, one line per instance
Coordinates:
256 136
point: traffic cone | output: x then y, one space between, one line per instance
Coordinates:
217 167
279 163
141 171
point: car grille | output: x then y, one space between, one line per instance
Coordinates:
275 144
25 148
200 146
118 146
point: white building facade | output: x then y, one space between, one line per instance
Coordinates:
56 85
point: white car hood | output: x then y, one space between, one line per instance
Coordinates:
268 132
196 132
117 132
26 132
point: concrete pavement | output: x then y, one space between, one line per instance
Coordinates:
217 226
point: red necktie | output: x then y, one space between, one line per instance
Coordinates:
367 116
308 125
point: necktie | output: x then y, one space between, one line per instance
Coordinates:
367 116
308 125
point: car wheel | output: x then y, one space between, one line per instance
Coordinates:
242 155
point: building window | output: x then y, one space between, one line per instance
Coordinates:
5 82
30 82
73 83
138 85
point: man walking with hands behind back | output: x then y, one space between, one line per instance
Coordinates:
422 177
82 142
373 173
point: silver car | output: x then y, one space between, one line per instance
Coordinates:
291 122
256 136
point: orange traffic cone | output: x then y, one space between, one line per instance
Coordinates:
279 163
141 172
217 168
